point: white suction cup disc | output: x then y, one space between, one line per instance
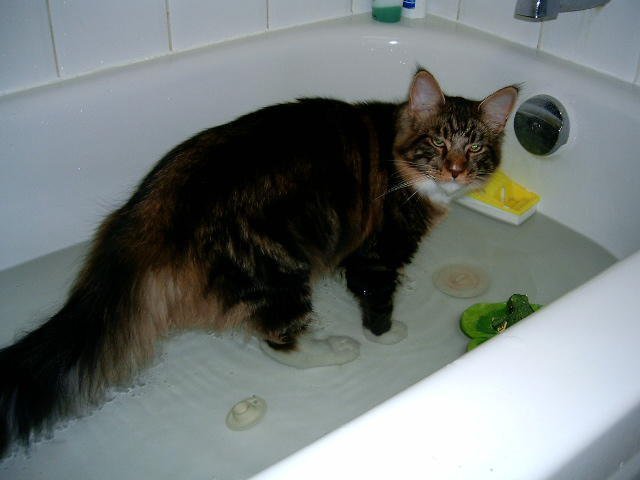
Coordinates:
461 281
246 413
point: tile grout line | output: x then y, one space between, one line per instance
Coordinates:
268 17
539 45
53 40
168 17
634 77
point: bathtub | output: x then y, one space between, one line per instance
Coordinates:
564 401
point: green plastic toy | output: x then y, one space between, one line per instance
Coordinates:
482 321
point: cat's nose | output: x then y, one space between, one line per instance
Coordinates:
455 169
455 164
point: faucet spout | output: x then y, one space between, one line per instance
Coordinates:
541 10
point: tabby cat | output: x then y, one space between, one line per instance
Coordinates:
232 226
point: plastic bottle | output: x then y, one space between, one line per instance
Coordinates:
387 10
414 8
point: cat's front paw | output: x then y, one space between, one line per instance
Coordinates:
395 334
311 352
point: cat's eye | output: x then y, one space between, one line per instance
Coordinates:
437 142
475 147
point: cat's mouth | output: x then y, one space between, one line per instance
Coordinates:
451 187
441 192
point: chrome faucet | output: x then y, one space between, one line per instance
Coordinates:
541 10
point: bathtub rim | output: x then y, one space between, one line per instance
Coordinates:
386 443
74 92
577 295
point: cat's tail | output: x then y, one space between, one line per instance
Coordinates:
100 337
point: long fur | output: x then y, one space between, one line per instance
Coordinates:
228 231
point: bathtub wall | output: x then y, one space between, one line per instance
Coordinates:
44 41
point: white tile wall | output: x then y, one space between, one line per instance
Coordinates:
285 13
45 40
361 6
26 50
605 38
444 8
497 17
200 22
93 34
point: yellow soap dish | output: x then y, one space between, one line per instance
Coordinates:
502 198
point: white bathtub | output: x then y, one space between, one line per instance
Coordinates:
568 381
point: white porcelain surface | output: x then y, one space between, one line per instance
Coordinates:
496 17
26 49
95 35
199 22
98 36
559 394
171 425
443 8
606 38
66 186
285 13
361 6
556 397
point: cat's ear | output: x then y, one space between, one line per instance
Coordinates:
495 109
425 95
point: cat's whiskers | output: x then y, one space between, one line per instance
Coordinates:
400 186
410 197
413 183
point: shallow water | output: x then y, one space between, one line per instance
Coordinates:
170 423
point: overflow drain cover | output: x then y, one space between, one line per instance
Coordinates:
461 281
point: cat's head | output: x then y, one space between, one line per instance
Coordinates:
448 144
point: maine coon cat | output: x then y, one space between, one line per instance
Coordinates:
231 227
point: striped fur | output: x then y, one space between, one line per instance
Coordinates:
229 230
